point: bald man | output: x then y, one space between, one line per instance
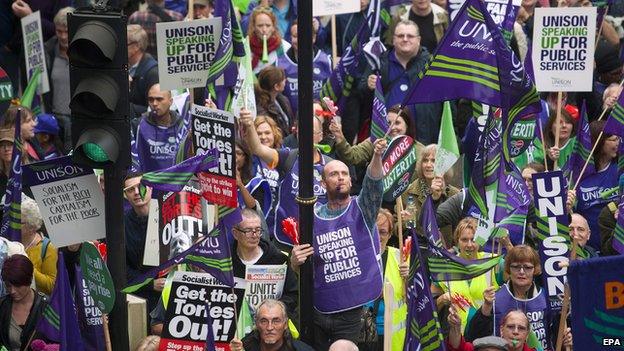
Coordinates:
343 345
158 134
346 264
579 231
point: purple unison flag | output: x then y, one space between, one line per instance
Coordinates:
89 316
372 51
512 201
59 322
615 122
12 217
342 81
176 177
379 118
581 151
429 223
373 17
211 253
423 328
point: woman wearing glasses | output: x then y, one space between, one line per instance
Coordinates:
522 265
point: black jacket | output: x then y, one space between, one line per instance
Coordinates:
252 343
272 255
36 312
145 76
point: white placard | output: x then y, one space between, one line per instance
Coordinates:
186 51
334 7
34 55
563 48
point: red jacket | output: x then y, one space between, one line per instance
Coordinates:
466 346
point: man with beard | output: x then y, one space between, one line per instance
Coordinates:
347 265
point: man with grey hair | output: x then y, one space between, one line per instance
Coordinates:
271 332
580 233
58 98
142 69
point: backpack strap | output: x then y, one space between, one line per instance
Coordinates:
44 247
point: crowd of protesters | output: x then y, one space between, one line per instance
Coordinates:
347 174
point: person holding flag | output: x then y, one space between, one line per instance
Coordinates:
560 153
346 264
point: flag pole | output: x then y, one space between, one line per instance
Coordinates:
334 44
539 122
604 110
566 304
601 25
399 204
578 180
557 127
388 297
107 339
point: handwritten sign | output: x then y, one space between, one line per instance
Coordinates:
186 51
70 200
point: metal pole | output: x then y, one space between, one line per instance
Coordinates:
306 197
116 249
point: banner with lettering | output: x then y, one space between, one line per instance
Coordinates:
180 220
69 198
6 90
563 48
597 288
215 129
89 315
34 54
398 162
264 282
496 8
550 194
193 296
185 52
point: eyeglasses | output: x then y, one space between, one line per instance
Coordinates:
275 321
406 36
250 231
520 267
520 328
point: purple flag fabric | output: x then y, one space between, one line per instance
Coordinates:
344 77
423 328
581 151
89 316
12 217
379 118
372 51
176 177
512 202
615 122
430 224
445 266
211 253
59 321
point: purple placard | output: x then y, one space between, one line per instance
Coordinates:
53 170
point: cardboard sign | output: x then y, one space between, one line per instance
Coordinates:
550 194
192 297
334 7
563 48
180 220
215 129
399 164
69 198
97 277
34 54
186 51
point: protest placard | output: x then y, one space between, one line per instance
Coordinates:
264 282
398 166
496 8
194 295
185 52
334 7
97 277
69 198
34 55
180 220
550 194
563 48
215 129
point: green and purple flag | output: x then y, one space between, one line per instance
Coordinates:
379 116
59 321
229 52
423 327
615 122
445 266
177 176
343 79
11 227
30 93
512 202
211 254
447 152
580 153
429 223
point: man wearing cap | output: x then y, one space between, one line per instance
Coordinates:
46 137
202 9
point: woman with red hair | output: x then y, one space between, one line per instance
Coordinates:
263 28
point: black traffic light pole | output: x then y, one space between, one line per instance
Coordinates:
306 196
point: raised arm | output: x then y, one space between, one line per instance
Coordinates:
248 131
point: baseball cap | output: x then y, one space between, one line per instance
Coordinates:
490 341
46 124
7 135
202 2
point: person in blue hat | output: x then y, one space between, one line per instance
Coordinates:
46 135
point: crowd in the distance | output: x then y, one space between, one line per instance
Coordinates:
503 309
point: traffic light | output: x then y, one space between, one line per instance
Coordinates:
98 59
